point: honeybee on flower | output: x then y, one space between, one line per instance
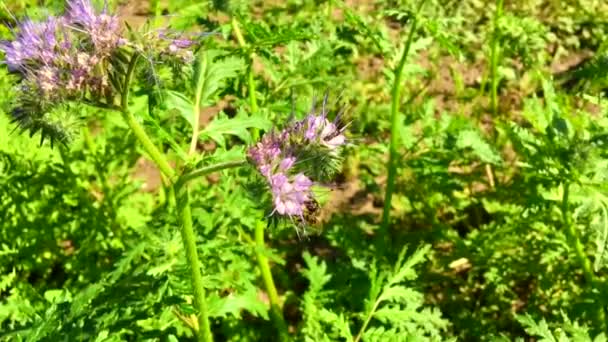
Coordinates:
293 160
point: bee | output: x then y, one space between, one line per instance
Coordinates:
311 212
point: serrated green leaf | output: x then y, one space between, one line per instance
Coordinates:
473 140
181 103
602 236
163 268
540 329
233 304
315 272
237 126
214 73
399 294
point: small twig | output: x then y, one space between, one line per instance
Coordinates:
490 175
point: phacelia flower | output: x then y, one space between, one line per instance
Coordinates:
291 160
53 55
103 29
319 129
290 196
34 43
173 45
78 57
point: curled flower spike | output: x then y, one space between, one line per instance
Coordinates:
294 159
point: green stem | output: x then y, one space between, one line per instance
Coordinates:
275 307
202 67
250 76
154 153
584 262
183 207
182 201
209 169
495 57
368 318
189 238
394 141
251 82
155 5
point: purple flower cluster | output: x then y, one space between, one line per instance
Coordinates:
279 154
67 56
35 42
59 56
102 29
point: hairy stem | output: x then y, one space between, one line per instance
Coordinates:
495 58
275 308
154 153
189 238
394 142
250 77
182 201
584 262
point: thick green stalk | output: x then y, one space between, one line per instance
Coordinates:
158 158
584 262
189 237
495 58
395 127
275 307
183 207
250 77
182 200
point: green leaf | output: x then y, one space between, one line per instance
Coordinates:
7 280
316 273
233 304
57 295
404 270
400 294
536 329
181 103
162 268
408 136
237 126
212 72
473 140
602 236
